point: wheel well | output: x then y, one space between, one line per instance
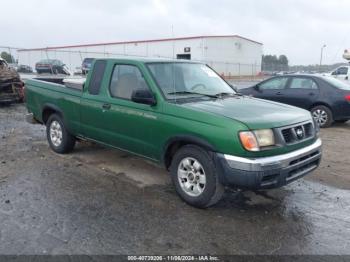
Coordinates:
321 104
176 145
47 112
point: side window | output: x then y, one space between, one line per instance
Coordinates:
276 83
126 79
304 83
96 77
342 71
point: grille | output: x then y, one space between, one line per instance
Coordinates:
297 133
300 170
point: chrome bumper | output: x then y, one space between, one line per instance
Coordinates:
269 172
275 162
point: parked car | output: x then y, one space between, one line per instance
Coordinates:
51 66
24 69
86 65
11 86
184 116
342 73
327 98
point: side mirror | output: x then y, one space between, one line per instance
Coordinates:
143 96
334 73
256 87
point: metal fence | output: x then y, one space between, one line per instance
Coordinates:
73 60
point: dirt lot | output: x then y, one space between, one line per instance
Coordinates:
102 201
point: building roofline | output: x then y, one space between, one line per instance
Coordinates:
136 42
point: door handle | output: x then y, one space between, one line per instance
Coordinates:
311 94
279 93
106 106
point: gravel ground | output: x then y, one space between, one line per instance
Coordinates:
102 201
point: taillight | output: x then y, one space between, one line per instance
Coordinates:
347 98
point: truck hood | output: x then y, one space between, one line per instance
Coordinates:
254 113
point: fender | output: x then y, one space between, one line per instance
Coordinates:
187 139
52 107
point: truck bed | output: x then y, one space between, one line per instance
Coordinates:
73 83
47 92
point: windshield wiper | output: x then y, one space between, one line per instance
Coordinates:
223 94
220 95
191 93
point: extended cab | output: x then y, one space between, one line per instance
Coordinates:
184 116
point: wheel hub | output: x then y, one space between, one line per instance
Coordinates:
191 176
320 116
56 133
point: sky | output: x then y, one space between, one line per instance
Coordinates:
296 28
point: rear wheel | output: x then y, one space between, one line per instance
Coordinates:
195 177
322 115
58 137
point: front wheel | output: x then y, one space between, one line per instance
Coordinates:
195 177
322 115
58 137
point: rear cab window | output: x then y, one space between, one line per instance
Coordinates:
97 77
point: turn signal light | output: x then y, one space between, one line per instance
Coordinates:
249 141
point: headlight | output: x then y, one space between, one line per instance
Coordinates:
253 140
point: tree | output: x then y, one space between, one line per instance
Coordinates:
283 60
7 57
274 63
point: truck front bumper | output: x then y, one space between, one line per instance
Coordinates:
269 172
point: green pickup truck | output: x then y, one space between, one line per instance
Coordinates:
184 116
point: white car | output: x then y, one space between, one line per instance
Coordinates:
342 73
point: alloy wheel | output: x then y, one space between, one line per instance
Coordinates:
191 176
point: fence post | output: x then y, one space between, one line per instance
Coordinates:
239 71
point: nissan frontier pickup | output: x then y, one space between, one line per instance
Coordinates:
184 116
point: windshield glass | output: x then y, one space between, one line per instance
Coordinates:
336 82
182 80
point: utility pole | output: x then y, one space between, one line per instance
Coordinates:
322 55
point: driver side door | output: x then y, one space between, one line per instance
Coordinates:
130 124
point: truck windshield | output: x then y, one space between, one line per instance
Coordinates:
183 80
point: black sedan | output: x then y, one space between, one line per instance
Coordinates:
327 98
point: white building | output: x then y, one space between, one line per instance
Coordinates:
229 55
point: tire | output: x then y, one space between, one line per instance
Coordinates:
58 137
322 115
200 186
